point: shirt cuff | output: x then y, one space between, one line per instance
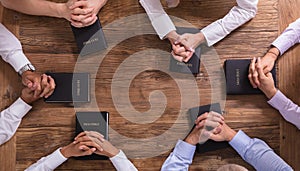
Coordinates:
117 158
280 45
19 61
213 33
19 108
240 142
279 100
55 159
163 25
184 150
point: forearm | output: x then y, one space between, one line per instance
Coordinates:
237 16
35 7
257 153
160 20
49 162
11 49
121 162
288 38
181 157
10 119
289 110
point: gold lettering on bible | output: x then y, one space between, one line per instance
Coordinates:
91 124
91 41
237 74
182 64
78 88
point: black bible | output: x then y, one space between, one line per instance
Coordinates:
193 65
70 88
89 39
236 73
209 145
92 121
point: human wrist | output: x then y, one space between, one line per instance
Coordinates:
200 38
192 140
230 134
26 100
172 36
274 53
27 67
113 153
271 93
61 9
65 152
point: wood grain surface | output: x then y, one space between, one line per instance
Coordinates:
289 84
133 77
9 91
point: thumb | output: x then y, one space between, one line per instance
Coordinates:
269 75
260 71
183 41
266 70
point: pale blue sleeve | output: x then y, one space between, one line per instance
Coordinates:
180 158
257 153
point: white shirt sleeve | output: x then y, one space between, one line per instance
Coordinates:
48 163
288 109
11 118
121 162
238 15
160 20
11 49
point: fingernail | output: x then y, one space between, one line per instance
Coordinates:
74 142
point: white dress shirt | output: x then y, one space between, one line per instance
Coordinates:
288 38
11 52
160 20
213 33
11 49
289 110
11 118
52 161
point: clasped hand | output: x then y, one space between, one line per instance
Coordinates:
87 143
261 77
82 13
36 86
184 45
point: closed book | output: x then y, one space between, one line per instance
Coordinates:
92 121
70 88
193 65
89 39
236 73
209 145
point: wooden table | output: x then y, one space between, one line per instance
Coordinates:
50 46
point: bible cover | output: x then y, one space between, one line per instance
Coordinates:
70 88
89 39
209 145
193 65
236 73
92 121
